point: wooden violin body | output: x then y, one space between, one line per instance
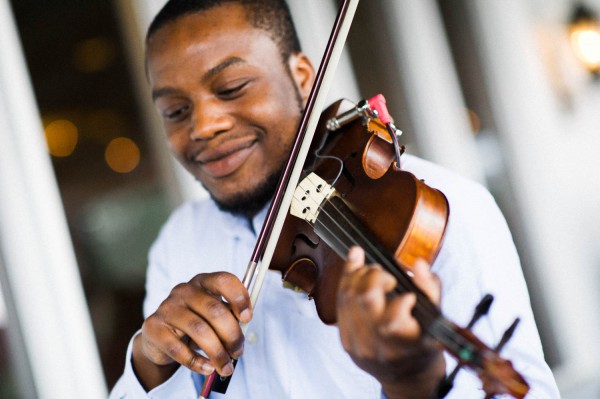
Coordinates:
406 216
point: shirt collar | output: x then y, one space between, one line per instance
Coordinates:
237 225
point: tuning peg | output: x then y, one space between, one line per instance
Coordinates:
507 335
447 383
482 308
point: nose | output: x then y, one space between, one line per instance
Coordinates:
208 120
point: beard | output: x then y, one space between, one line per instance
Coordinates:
251 202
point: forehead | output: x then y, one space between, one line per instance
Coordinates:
200 41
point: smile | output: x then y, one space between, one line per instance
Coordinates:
226 158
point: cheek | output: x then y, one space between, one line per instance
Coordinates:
278 146
275 102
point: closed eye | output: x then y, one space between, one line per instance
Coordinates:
176 114
233 92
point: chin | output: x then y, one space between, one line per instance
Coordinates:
250 201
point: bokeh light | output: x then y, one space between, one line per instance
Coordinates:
122 155
585 40
61 136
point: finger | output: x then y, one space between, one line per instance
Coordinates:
217 317
369 290
229 287
354 271
184 322
361 303
427 281
397 319
161 341
202 316
349 316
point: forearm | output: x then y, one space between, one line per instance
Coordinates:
149 374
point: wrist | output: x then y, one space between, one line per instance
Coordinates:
149 374
419 382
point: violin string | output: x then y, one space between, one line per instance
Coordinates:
441 327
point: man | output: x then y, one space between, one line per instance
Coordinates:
230 83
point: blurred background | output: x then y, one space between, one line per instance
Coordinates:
506 92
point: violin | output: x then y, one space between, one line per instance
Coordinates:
353 192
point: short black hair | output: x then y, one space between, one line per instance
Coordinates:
272 16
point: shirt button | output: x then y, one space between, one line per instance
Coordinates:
252 338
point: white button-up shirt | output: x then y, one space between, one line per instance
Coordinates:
290 353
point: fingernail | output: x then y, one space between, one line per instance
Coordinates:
246 315
238 353
228 369
207 368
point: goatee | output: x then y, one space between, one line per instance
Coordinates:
250 203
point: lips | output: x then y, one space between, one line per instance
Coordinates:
225 158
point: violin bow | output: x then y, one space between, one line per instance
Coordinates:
271 229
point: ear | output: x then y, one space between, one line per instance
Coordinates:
303 74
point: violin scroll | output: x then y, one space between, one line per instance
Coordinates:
499 377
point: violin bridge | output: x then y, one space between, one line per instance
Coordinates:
311 192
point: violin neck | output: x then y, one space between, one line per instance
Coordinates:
341 229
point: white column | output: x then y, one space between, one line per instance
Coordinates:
35 245
531 130
431 87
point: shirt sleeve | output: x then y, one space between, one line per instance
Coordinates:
180 385
479 257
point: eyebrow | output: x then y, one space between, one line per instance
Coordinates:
163 91
223 65
207 76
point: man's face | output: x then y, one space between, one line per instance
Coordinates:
229 104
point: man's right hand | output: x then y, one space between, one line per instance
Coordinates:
193 316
